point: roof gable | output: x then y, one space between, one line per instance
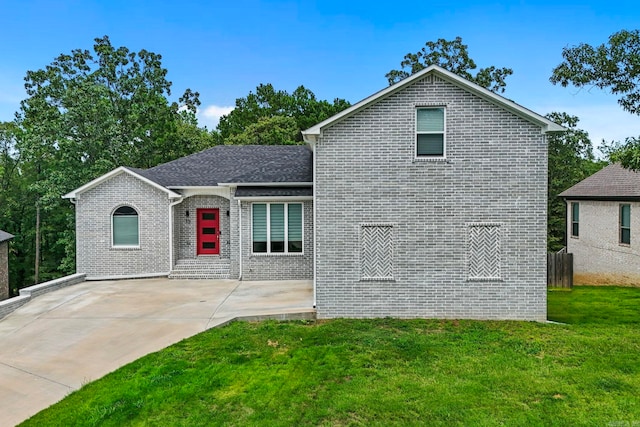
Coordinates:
610 183
136 173
311 134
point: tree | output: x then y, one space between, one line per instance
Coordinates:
87 113
453 56
276 130
614 66
267 102
571 160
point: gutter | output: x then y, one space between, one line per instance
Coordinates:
315 227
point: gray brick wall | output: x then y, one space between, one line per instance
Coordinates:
4 270
95 255
495 172
277 266
597 254
185 227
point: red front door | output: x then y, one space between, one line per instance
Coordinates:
208 231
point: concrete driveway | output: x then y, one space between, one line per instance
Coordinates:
61 340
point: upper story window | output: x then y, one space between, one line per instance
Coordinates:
126 226
575 219
430 135
625 224
276 227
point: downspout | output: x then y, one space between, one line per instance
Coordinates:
171 205
240 238
315 226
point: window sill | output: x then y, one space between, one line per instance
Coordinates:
125 248
430 160
625 245
485 279
278 254
377 279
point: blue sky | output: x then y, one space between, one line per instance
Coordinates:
335 48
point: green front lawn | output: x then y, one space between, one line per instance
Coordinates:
385 372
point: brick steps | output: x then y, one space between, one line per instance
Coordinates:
201 268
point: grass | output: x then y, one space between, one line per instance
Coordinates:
385 372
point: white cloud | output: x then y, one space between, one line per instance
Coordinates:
210 115
606 121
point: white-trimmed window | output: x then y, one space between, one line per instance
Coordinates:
575 219
125 227
625 224
430 134
276 228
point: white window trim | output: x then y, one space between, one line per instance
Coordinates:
286 229
620 227
416 133
114 246
571 221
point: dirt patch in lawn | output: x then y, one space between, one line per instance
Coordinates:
606 279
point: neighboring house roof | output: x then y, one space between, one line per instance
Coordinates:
4 236
611 183
250 191
236 164
311 134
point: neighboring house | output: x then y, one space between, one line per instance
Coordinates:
603 219
427 199
4 264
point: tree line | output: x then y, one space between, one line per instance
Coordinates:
89 112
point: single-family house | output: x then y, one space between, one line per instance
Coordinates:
426 199
4 264
603 219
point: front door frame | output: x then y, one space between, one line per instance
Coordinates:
209 239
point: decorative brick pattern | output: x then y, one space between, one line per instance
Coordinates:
495 171
484 256
376 252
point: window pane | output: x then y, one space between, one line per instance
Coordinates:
259 225
625 215
208 230
125 210
209 216
277 222
625 236
430 120
277 246
295 222
430 145
208 245
295 246
259 247
575 228
125 230
575 211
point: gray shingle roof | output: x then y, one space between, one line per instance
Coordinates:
4 236
249 191
611 183
236 164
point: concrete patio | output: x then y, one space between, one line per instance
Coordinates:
59 341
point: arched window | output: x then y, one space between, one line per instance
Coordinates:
126 227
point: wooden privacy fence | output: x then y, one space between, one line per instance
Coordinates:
560 270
